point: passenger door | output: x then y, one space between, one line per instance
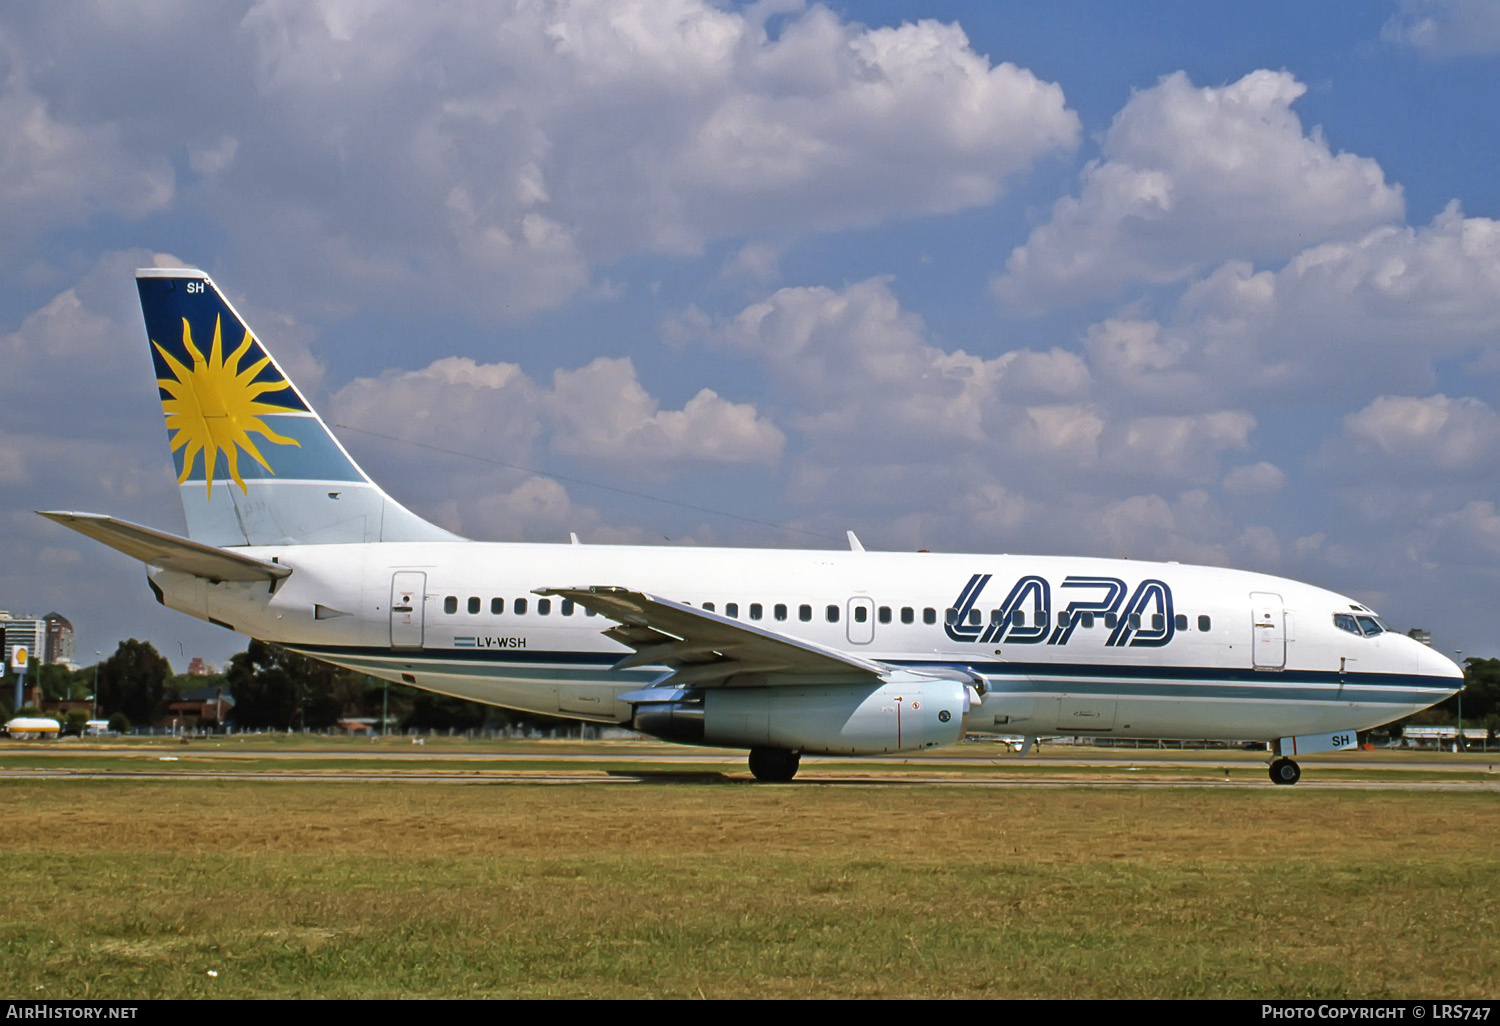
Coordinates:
1268 631
408 604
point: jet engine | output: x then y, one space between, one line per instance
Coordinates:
907 712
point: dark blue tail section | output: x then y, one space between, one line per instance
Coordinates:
255 463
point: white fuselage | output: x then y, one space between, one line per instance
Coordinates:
1064 645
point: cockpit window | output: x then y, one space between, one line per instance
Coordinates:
1364 624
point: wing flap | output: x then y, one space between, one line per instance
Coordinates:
168 551
708 650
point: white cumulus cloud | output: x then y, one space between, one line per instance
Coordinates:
1340 319
1436 433
599 412
1446 28
1190 176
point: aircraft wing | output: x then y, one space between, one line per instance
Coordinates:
704 649
169 551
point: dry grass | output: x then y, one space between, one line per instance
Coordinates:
138 889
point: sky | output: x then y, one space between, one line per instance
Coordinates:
1214 283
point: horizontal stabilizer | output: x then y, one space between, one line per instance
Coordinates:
169 551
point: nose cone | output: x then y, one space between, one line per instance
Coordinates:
1431 663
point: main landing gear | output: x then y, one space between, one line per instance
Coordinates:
774 765
1285 771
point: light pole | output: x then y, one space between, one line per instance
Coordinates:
1459 653
95 695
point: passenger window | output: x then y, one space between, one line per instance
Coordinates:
589 612
567 607
950 617
732 610
1158 622
543 607
929 615
908 614
450 604
519 606
755 610
1135 621
1062 618
861 614
1110 620
1086 620
780 611
1181 621
885 614
804 613
974 615
473 604
497 606
832 612
1018 618
709 606
1205 624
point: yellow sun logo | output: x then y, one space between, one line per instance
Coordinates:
214 407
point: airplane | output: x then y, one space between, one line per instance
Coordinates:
780 652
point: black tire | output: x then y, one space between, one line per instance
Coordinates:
774 765
1285 771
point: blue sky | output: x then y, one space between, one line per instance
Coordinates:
1205 282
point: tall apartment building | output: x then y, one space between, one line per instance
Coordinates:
23 631
59 640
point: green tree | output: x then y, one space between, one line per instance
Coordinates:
1481 692
265 695
439 712
134 681
59 682
273 687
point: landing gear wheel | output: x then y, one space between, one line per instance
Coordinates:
774 765
1285 771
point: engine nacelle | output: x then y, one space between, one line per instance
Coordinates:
908 713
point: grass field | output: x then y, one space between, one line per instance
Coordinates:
141 888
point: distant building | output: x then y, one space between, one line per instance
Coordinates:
25 631
48 640
1417 633
198 668
205 709
59 647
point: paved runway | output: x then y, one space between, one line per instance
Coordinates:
1110 768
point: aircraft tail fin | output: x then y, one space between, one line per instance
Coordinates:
255 463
